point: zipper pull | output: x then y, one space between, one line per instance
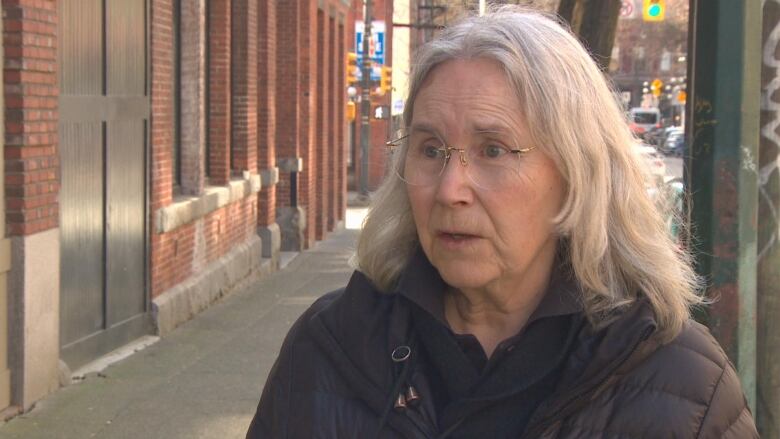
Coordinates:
400 402
412 396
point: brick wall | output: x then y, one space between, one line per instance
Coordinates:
266 106
336 88
253 120
219 124
162 40
323 125
162 120
341 125
192 108
31 117
307 101
244 84
288 29
187 250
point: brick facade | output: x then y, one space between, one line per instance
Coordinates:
219 122
32 180
287 111
244 85
266 108
252 121
307 96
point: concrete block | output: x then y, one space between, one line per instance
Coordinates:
269 177
189 209
184 301
34 316
272 241
291 164
292 222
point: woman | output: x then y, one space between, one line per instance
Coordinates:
514 277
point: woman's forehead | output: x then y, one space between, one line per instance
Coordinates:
469 94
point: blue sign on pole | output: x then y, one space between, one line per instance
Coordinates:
376 47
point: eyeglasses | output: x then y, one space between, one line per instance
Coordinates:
489 163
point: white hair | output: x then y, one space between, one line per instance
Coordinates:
612 233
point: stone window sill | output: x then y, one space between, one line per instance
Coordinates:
186 209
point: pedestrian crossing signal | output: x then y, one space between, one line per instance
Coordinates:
654 10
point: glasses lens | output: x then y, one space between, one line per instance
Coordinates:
492 165
424 159
489 163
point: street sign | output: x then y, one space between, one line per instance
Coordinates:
376 47
625 97
627 9
398 106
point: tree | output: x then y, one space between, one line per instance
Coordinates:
594 22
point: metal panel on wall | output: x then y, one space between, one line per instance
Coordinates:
81 47
125 226
125 73
104 111
81 231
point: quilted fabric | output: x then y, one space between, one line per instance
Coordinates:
334 375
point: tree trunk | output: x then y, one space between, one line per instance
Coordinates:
594 22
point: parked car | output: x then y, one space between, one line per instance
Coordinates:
674 142
644 120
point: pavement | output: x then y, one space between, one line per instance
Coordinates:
203 380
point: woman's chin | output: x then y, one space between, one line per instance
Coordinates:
460 276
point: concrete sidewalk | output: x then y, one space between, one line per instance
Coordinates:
204 380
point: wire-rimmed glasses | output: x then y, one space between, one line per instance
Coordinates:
490 163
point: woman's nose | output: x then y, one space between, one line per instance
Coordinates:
455 186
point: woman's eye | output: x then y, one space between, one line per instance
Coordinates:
494 151
430 151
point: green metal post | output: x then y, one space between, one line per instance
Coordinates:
768 373
723 170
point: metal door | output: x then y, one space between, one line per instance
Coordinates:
104 114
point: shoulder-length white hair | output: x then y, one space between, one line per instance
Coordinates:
613 235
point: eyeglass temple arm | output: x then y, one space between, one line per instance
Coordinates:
395 142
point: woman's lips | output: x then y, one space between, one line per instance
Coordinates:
455 240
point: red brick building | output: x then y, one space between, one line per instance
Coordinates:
158 153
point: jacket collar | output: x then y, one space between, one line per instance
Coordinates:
360 328
421 283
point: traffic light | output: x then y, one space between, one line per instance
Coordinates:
386 80
656 87
352 68
653 10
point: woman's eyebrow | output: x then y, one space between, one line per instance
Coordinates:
493 128
423 127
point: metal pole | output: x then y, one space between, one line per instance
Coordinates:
768 285
724 125
365 103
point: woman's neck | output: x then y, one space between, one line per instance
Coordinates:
493 315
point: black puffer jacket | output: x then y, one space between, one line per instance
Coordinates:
334 378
